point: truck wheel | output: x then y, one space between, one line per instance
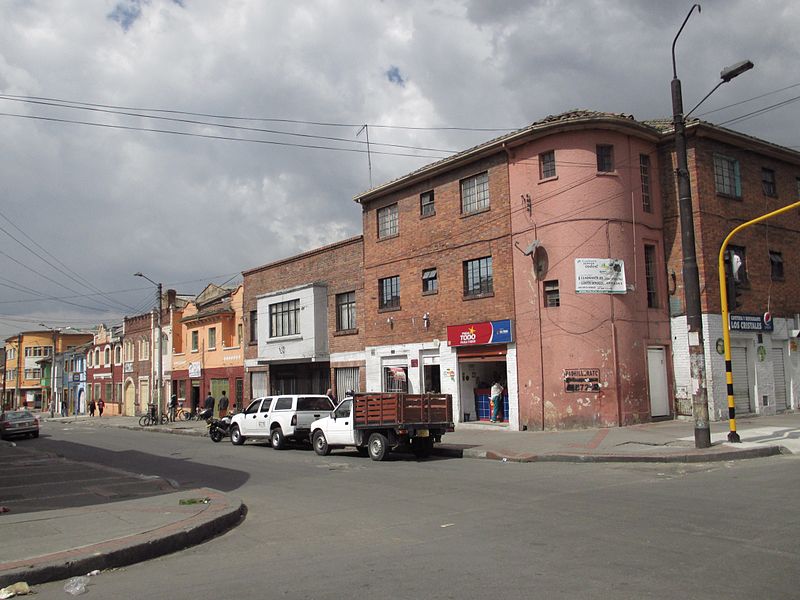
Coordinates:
377 446
237 439
422 447
277 439
321 444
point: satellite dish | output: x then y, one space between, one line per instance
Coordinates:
541 263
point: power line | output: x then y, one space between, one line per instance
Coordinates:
214 137
261 119
761 111
783 89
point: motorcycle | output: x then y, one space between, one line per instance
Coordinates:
219 428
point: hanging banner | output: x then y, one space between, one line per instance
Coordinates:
600 276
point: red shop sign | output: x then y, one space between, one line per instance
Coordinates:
472 334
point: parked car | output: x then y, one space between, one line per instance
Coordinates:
18 422
279 418
375 423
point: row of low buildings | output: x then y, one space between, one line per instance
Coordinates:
548 259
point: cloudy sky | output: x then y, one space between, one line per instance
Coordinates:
194 139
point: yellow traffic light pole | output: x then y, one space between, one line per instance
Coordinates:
726 334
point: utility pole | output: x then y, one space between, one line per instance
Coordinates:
691 275
160 367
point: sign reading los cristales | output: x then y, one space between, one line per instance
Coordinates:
478 334
751 322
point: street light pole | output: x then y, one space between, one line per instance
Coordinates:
52 371
159 349
691 275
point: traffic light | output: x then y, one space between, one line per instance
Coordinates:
732 265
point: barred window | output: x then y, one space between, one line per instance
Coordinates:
345 311
605 158
389 292
475 193
726 176
552 296
387 221
644 173
284 318
478 277
547 164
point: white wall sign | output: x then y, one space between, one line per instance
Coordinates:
195 370
599 276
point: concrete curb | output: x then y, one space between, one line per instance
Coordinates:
683 457
224 513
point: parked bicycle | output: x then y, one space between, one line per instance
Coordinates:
152 418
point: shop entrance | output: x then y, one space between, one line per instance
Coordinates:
479 368
304 378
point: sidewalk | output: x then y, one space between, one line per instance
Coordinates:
58 544
666 441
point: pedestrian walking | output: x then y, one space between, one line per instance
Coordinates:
223 404
208 406
497 399
91 408
329 394
100 406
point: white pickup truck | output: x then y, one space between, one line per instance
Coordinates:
279 418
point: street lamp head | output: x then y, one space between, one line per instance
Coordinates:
729 73
138 274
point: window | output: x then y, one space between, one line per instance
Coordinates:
284 318
768 182
144 349
552 297
387 222
109 396
605 158
212 338
253 326
478 277
117 355
107 356
644 173
283 404
547 164
89 362
343 411
475 194
726 176
33 373
195 341
128 351
738 264
776 265
389 292
314 403
650 275
426 205
345 311
164 344
395 379
239 334
430 281
97 357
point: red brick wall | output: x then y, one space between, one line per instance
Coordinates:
444 241
718 215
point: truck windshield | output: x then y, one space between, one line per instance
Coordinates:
314 403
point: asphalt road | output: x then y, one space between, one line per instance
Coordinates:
345 527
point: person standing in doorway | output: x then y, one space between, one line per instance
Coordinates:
497 398
100 406
223 404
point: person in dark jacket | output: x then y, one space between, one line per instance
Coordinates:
223 404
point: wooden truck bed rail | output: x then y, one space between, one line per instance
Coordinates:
390 409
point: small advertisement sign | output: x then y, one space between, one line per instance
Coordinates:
600 276
194 370
749 323
582 380
478 334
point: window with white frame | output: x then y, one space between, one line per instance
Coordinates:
726 176
430 281
284 318
552 296
426 204
475 193
107 357
144 349
117 355
195 341
387 221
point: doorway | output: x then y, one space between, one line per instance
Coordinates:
657 382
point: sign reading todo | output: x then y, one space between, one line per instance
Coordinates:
599 276
582 380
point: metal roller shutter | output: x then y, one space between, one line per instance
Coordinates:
780 379
741 383
346 379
